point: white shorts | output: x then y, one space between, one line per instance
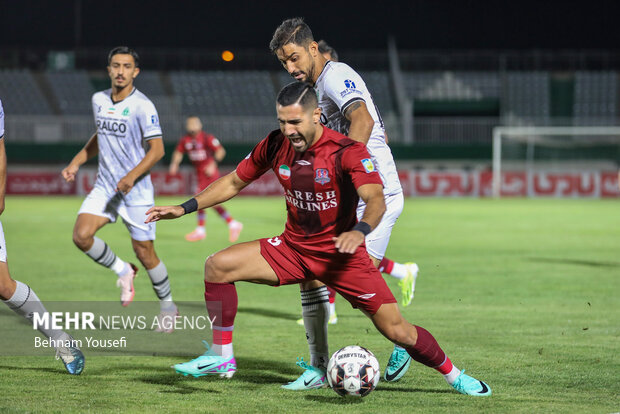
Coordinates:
100 204
2 245
377 241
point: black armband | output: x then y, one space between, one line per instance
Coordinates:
190 205
362 227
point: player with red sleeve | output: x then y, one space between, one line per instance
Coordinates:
324 175
204 151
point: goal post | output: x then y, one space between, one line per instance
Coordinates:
600 143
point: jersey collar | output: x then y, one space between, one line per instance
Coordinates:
117 102
322 72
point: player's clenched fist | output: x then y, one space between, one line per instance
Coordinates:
157 213
69 173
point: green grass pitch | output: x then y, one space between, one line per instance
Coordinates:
521 293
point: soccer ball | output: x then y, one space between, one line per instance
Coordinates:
353 370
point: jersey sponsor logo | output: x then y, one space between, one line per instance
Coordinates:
366 296
154 120
349 88
309 201
321 176
111 126
284 171
368 165
302 162
274 241
126 112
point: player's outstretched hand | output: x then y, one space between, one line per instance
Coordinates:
157 213
349 241
69 172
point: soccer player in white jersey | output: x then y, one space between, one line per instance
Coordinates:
21 298
127 123
347 107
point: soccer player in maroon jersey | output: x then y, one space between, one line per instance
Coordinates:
204 151
323 174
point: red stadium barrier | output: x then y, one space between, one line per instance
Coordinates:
427 183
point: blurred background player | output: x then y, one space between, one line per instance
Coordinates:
347 107
204 151
126 122
20 297
327 51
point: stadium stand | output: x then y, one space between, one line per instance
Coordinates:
526 96
596 96
224 93
72 90
21 95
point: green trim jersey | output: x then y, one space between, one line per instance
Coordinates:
122 131
338 87
1 120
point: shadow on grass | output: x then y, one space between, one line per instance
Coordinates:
254 371
419 390
334 399
578 262
270 313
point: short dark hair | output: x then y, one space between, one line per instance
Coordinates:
325 48
293 30
124 50
298 93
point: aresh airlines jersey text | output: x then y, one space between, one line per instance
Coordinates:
122 131
338 87
319 184
200 149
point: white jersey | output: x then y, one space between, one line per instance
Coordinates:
339 86
122 131
1 120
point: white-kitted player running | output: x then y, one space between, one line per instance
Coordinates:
129 143
21 298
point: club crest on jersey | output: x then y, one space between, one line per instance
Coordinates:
369 166
321 176
284 171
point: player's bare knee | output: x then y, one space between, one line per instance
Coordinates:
213 270
82 238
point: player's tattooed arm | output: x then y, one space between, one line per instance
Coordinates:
89 151
361 121
372 194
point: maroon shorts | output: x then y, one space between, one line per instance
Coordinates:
352 275
204 181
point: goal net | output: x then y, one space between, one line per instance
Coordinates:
556 161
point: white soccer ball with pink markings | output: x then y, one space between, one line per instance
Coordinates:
353 370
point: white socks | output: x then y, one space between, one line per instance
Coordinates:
161 286
225 351
315 311
452 375
25 302
101 253
399 271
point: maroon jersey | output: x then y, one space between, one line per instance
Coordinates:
200 149
319 184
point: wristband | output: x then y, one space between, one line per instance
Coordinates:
190 206
362 227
